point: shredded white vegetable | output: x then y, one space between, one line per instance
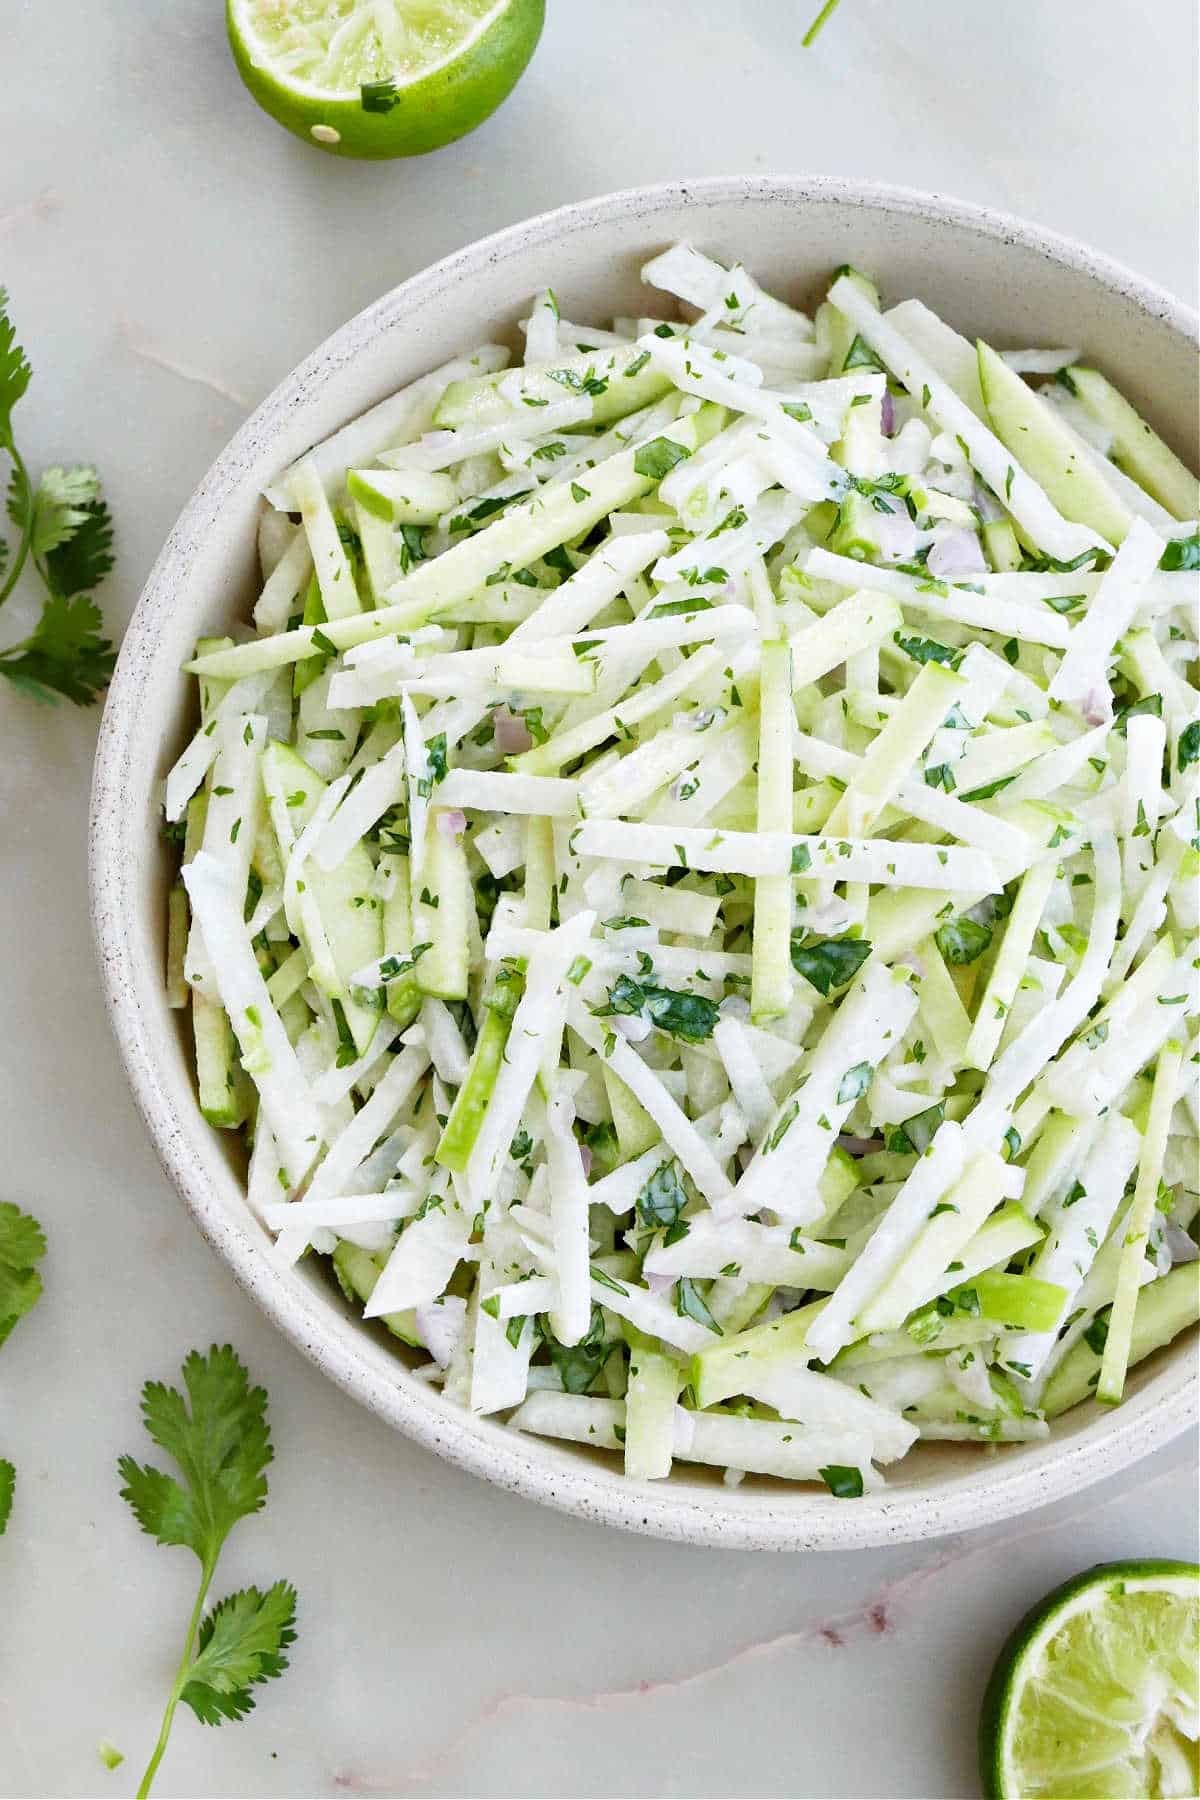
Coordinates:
690 890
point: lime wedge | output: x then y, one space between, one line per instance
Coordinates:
379 78
1097 1691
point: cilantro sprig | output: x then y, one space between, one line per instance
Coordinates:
22 1247
220 1442
64 533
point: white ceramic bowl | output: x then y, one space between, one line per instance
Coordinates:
986 273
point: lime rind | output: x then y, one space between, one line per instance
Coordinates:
1095 1691
338 76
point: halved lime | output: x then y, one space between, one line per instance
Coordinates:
382 78
1097 1691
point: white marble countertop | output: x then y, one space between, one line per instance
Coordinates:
170 254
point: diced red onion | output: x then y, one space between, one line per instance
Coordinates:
957 553
859 1146
657 1282
587 1158
512 734
1097 706
452 823
887 414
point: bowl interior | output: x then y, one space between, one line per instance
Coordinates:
990 277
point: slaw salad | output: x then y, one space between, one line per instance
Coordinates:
689 887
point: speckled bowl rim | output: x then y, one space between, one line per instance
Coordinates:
774 1519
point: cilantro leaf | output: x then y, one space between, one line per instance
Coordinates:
60 504
601 1140
692 1017
1096 1335
925 650
917 1132
19 499
962 941
221 1445
1181 553
1150 705
22 1240
15 372
658 457
861 356
22 1246
579 1364
484 510
1053 565
625 997
663 1198
411 547
843 1483
65 653
690 1304
989 788
673 609
854 1083
829 963
435 750
241 1643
